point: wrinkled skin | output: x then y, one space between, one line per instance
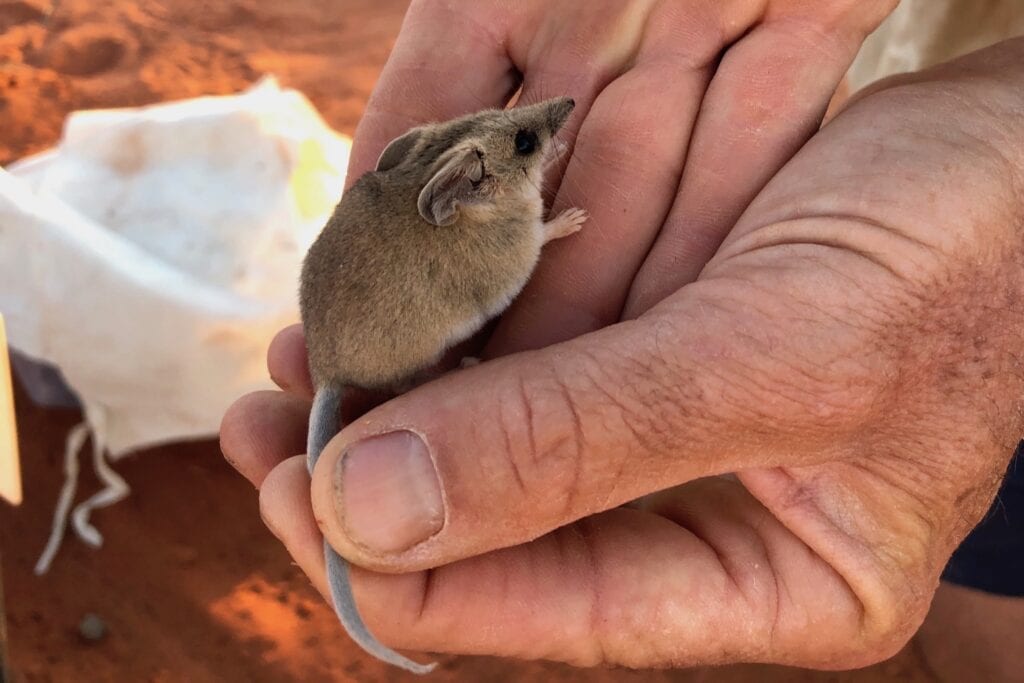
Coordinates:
851 350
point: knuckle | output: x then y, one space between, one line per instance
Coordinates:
884 570
884 635
546 465
861 654
639 403
657 396
875 628
895 602
516 420
566 438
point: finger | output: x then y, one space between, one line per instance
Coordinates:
387 603
262 429
549 437
767 98
626 587
412 484
576 51
286 510
288 363
625 177
624 170
422 83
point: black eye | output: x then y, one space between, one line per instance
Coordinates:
526 142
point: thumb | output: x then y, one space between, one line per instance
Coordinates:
502 453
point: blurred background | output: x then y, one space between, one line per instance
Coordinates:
189 585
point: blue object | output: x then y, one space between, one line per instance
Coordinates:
44 383
991 558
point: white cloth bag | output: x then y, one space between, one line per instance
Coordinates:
152 256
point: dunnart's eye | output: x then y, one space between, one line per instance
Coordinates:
526 142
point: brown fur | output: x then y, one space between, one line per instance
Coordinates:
400 274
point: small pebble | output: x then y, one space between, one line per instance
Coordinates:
92 628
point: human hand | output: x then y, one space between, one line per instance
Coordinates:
684 110
850 352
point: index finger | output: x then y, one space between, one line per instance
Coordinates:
426 81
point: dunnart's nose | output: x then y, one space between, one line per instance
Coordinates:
558 113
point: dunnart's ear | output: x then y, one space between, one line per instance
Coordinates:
454 184
398 150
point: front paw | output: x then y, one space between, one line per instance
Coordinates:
572 220
567 223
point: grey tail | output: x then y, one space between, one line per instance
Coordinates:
324 424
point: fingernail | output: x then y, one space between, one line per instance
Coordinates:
388 495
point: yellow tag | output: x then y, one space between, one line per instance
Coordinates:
10 472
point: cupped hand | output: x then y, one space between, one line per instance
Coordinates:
851 352
685 109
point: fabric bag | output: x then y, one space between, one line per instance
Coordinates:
152 256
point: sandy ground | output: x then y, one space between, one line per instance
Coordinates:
190 584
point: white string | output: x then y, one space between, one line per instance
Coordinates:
72 445
115 488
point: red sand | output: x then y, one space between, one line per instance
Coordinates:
191 585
